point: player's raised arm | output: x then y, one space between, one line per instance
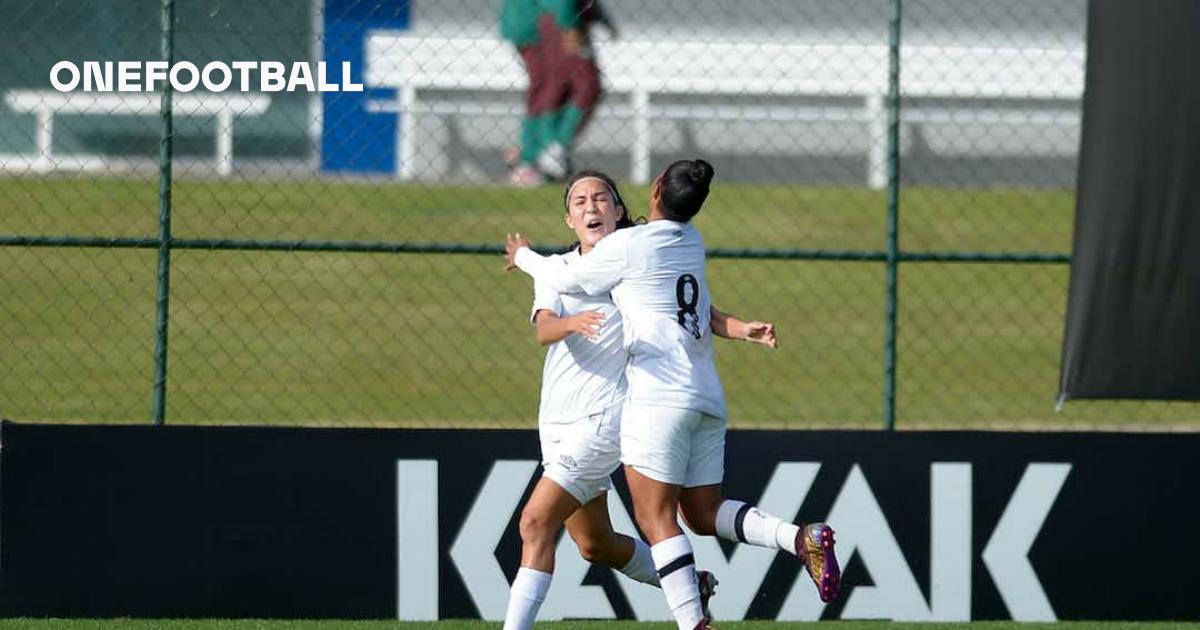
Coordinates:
730 327
519 254
596 273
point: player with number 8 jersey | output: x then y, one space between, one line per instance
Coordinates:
674 423
579 417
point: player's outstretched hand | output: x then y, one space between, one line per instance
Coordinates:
762 332
587 323
514 243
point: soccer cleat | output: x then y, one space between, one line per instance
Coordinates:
704 625
525 176
708 587
553 162
814 547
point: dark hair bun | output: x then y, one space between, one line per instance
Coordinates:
701 172
683 187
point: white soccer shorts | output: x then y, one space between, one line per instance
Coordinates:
681 447
581 456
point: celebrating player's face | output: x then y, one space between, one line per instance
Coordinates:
591 212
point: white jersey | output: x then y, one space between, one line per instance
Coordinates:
580 377
656 275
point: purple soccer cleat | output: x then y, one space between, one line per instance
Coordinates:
814 547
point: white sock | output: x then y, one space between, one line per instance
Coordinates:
743 522
677 572
525 597
641 566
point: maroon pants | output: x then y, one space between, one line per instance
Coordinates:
535 67
556 77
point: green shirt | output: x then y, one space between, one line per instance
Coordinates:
518 18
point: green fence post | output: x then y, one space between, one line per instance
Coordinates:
164 220
893 219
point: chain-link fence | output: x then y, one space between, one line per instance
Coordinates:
331 257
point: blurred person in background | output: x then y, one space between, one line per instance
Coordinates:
553 38
519 26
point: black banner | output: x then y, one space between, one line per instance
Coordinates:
1134 304
325 523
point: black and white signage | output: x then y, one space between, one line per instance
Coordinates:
249 522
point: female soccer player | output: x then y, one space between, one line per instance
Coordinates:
673 428
583 389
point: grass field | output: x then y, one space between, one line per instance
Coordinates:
175 624
440 340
